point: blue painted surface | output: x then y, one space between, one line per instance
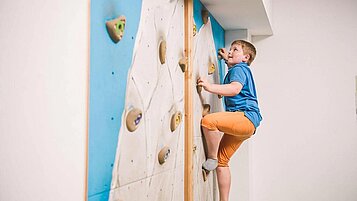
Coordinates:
109 64
218 32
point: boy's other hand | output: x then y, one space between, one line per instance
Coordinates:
223 53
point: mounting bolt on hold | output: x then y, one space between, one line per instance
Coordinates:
116 28
183 64
133 119
164 155
162 52
175 121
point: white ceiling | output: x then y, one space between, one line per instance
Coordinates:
241 14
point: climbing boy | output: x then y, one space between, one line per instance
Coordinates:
241 118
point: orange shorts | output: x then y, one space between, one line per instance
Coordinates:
236 128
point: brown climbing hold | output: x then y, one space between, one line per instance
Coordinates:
204 14
164 155
183 64
175 120
219 55
133 119
220 96
205 175
162 51
211 68
116 28
206 109
199 89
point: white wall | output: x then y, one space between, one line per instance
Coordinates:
43 99
306 148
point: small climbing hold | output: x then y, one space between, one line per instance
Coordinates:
194 30
220 96
199 88
205 174
219 55
194 148
211 68
133 119
175 120
183 64
164 155
206 109
162 51
204 14
116 28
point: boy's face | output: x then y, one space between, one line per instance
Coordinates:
236 55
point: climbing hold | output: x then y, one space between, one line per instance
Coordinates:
164 155
204 14
133 119
206 109
183 64
219 55
205 174
211 68
116 28
162 51
220 96
194 30
199 89
175 120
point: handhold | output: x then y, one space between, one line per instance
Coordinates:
204 14
116 28
133 119
199 89
175 120
194 30
183 64
211 69
206 109
219 55
164 155
220 96
162 51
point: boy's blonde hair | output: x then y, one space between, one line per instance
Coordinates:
248 48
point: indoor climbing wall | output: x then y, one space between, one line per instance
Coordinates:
136 126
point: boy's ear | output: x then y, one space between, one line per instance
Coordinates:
246 57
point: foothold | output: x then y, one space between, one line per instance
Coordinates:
162 51
206 109
211 69
205 174
183 64
116 28
204 14
199 89
175 120
194 30
164 155
133 119
220 96
194 148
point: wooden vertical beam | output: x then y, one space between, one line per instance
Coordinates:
188 176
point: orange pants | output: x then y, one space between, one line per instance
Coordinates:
236 128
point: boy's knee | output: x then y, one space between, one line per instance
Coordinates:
208 122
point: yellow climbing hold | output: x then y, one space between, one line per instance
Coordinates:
175 120
211 68
116 28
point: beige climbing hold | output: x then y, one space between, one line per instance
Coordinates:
183 64
199 89
133 119
194 30
206 109
162 52
164 155
204 14
205 174
175 120
116 28
211 68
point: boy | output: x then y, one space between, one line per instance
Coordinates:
242 115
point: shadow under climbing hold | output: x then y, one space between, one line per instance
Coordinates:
116 28
133 119
162 52
164 155
183 64
220 96
199 89
175 120
204 14
211 68
206 109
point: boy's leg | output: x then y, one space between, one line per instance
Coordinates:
224 182
213 138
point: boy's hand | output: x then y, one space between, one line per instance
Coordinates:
202 81
223 53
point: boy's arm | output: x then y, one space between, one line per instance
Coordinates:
230 89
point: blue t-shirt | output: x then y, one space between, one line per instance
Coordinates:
246 101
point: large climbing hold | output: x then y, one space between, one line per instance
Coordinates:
116 28
162 51
163 155
211 68
175 121
133 119
183 64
